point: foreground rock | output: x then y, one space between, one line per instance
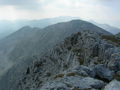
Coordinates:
113 85
103 73
73 83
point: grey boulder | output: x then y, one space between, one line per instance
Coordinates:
103 73
113 85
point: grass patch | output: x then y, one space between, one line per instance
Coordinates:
76 50
81 61
71 74
59 76
117 77
112 39
75 88
80 89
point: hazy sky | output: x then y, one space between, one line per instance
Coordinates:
105 11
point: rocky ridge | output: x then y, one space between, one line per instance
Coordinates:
84 61
27 44
29 41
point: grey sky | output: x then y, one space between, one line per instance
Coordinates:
104 11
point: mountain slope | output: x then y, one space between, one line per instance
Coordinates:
36 43
83 57
8 44
30 41
8 27
112 29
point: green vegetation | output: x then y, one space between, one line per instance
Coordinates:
48 74
117 77
81 61
68 85
69 47
80 89
112 39
77 50
75 88
71 74
59 76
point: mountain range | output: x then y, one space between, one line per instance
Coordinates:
9 27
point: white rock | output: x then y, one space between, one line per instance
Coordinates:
113 85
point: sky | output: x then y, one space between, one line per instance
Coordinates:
103 11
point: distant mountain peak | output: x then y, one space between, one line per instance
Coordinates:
112 29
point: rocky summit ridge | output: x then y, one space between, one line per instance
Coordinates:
84 61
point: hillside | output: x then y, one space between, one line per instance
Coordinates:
83 61
8 44
31 41
8 27
23 46
109 28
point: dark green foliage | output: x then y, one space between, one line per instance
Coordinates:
81 61
59 76
71 74
69 47
76 50
117 77
48 74
28 71
75 88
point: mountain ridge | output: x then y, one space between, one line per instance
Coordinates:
41 42
82 57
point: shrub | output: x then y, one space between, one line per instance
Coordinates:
71 74
81 61
75 88
112 39
80 89
76 50
48 74
117 77
59 76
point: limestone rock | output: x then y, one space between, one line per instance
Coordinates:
113 85
103 73
68 83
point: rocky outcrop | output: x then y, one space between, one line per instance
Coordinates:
17 50
113 85
73 83
103 73
83 61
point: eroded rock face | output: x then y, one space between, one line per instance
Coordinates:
82 61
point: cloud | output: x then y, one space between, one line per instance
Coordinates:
21 4
18 2
106 11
